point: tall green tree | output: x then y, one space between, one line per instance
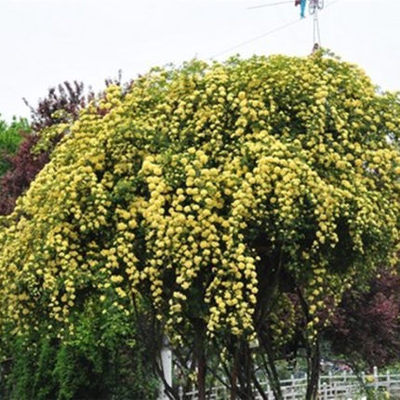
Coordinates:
10 137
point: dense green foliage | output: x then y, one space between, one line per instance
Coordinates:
44 368
10 137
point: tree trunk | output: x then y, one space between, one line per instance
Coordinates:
234 376
272 373
201 364
313 361
244 390
313 355
247 369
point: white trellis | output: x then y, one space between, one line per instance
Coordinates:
331 387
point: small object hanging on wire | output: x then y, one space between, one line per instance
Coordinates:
302 4
313 6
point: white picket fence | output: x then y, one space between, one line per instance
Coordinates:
341 386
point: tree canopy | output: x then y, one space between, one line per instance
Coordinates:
216 192
365 328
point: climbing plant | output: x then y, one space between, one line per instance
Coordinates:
238 199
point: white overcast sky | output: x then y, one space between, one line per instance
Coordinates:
45 42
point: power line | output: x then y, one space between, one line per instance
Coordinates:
331 3
263 35
279 28
270 5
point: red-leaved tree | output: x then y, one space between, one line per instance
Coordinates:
62 104
366 327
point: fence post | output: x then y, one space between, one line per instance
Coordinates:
324 391
292 388
376 378
388 382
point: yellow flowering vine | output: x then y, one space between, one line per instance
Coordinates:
195 184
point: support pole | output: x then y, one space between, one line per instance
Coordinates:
316 32
166 366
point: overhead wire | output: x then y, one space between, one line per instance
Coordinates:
270 32
269 5
331 3
263 35
316 29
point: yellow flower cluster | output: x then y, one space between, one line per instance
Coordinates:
178 188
